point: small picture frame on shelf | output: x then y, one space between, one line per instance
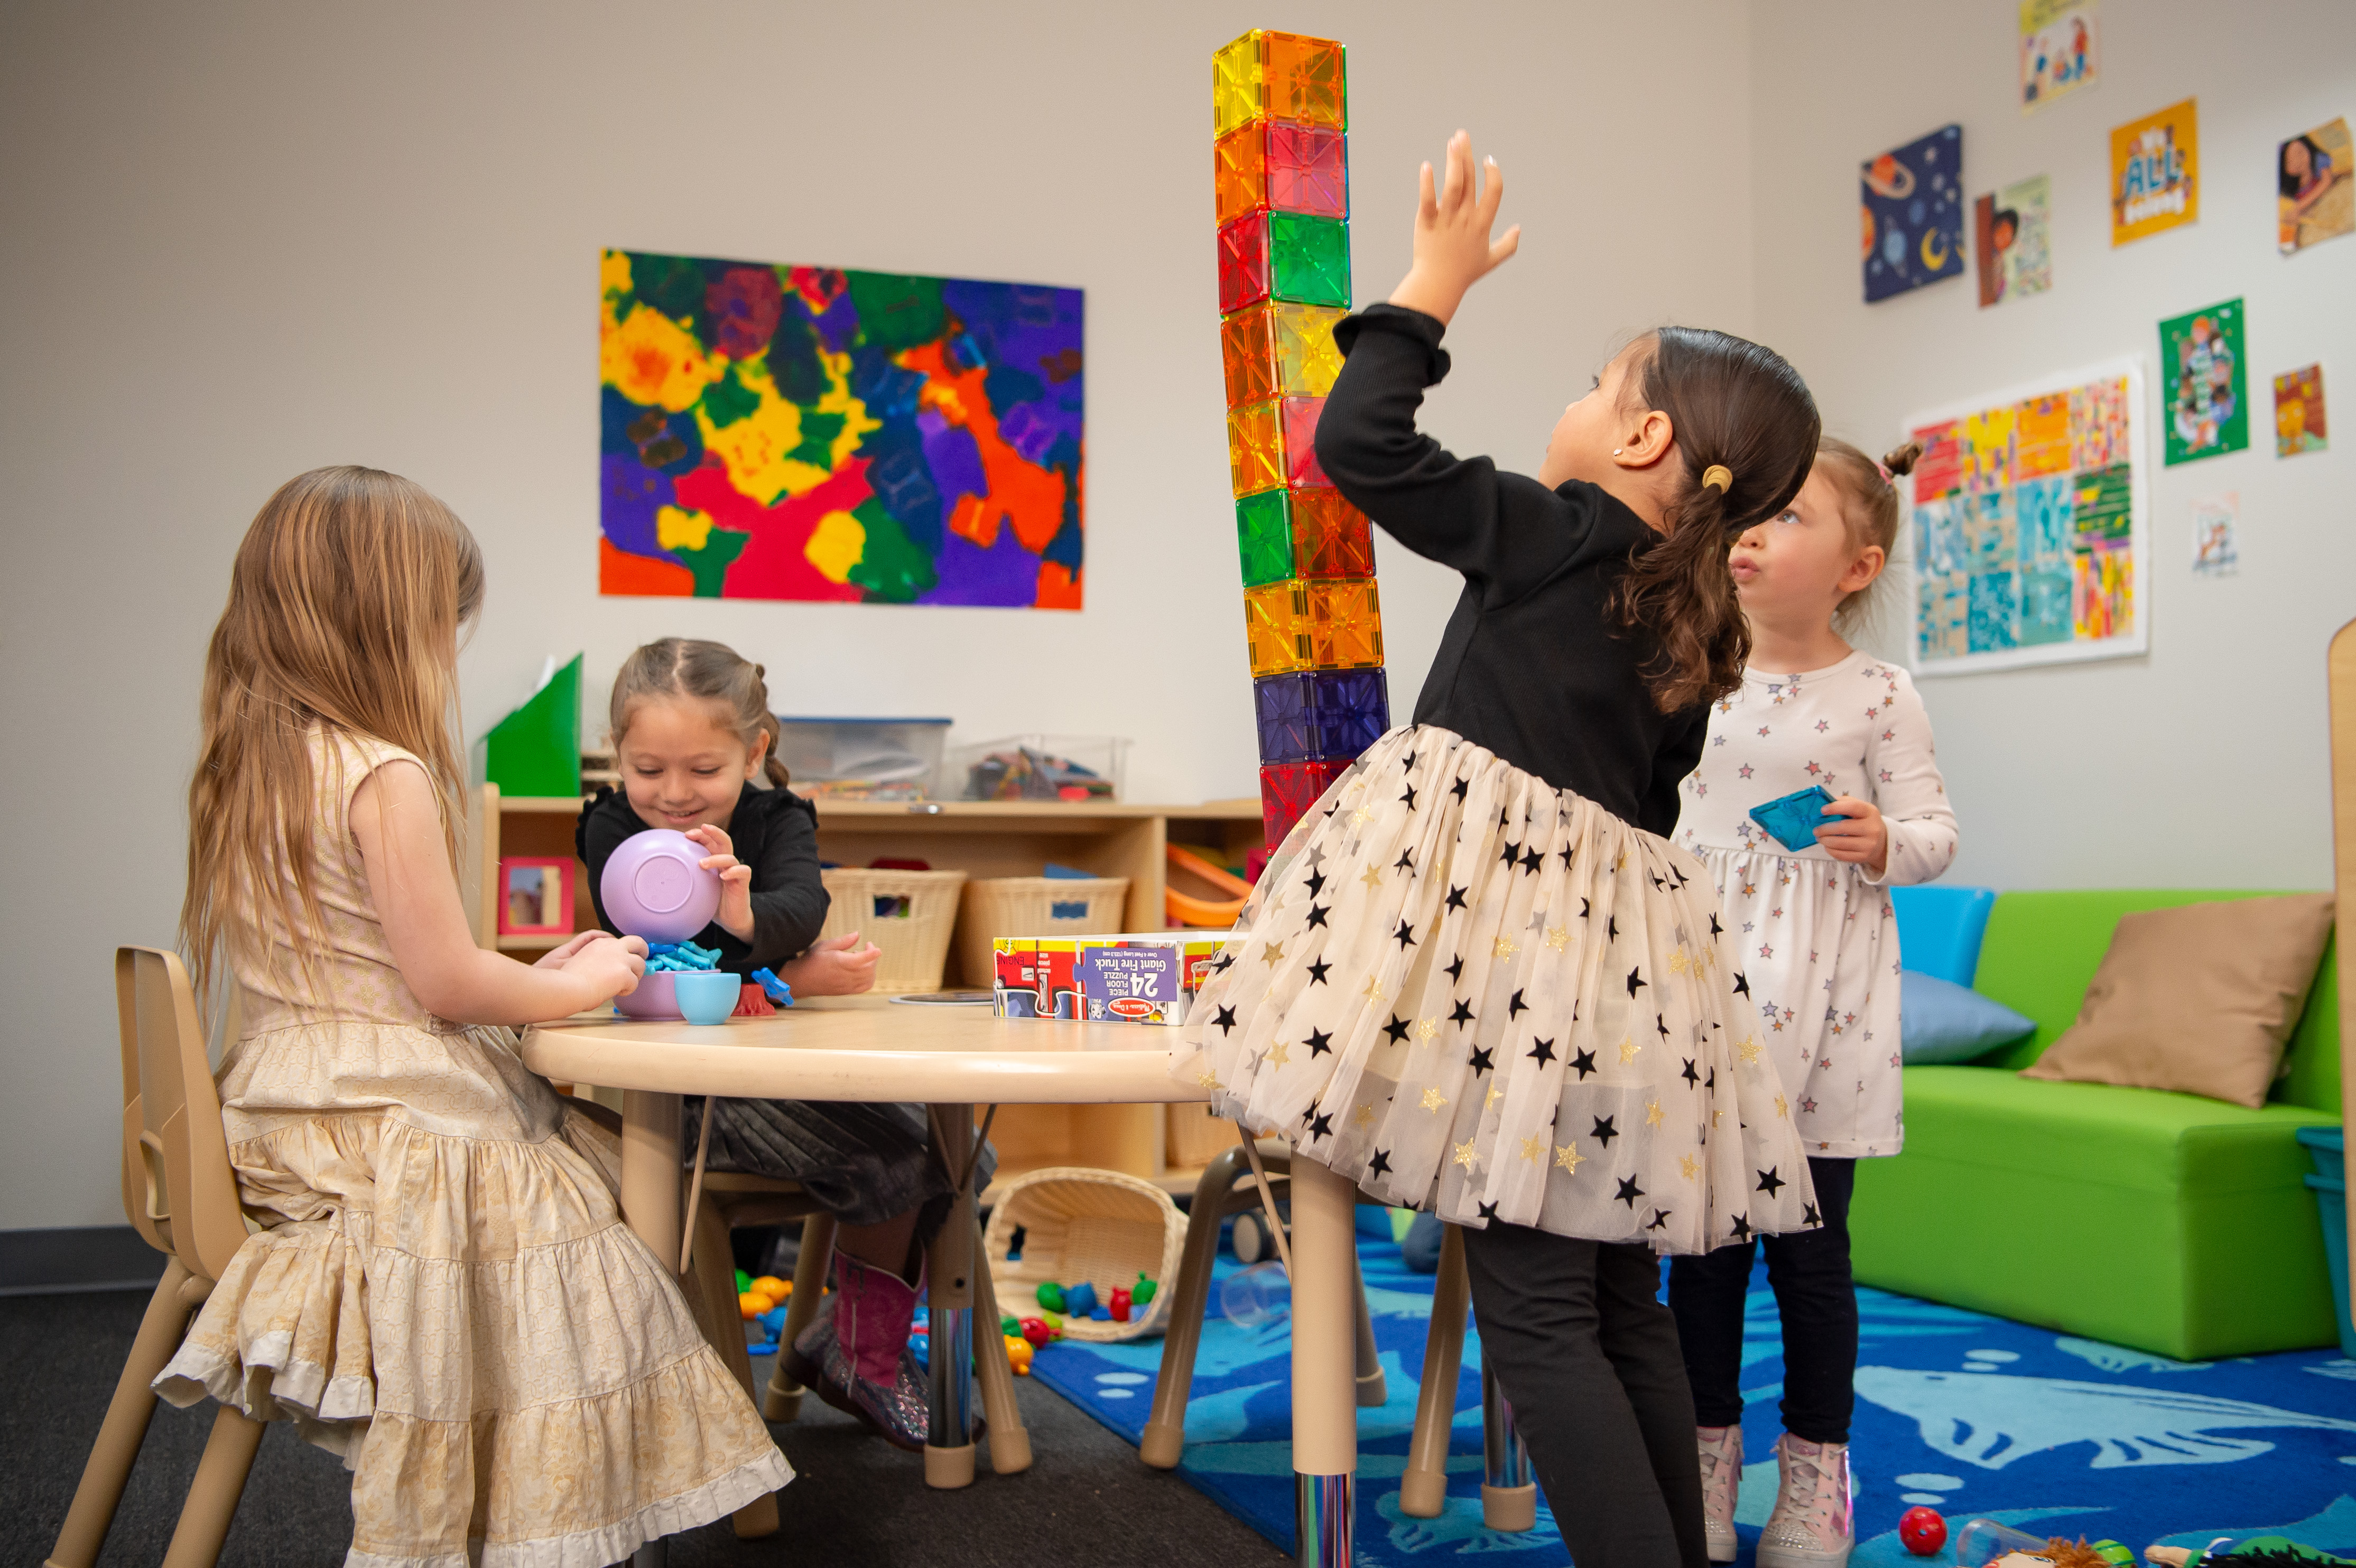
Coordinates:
535 896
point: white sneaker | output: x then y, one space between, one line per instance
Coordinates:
1721 1479
1815 1521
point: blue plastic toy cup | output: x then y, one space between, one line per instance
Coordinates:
706 997
1258 1296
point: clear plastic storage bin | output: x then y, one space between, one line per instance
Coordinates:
1037 768
882 760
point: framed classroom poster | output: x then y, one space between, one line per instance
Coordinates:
2031 509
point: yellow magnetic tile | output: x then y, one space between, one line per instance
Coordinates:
1306 358
1237 95
1255 448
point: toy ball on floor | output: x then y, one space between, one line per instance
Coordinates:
1922 1531
655 886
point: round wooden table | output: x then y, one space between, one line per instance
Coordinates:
952 1058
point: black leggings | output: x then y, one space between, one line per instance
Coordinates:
1814 1295
1587 1356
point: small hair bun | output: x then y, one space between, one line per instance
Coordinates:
1901 459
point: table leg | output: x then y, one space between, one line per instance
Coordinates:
948 1305
650 1200
1324 1380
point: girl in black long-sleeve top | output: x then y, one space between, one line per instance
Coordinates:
695 742
1478 978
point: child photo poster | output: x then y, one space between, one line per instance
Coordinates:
2216 535
2203 367
2155 173
2057 51
2031 515
2010 240
2315 198
2298 412
1911 207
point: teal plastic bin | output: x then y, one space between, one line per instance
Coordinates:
2327 1146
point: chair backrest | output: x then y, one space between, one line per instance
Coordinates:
1939 929
178 1190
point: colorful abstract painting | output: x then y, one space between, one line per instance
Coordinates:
774 432
1913 214
2030 515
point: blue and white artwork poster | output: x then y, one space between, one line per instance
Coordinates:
1913 214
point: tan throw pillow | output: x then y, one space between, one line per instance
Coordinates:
2198 998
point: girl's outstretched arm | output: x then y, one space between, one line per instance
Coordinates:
397 819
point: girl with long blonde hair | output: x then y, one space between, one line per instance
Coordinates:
428 1206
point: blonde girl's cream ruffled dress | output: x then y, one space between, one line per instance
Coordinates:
1471 991
444 1292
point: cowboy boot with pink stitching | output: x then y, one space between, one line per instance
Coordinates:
856 1358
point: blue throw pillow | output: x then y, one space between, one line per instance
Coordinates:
1943 1022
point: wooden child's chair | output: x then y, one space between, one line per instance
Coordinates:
179 1193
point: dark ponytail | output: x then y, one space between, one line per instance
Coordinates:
1736 407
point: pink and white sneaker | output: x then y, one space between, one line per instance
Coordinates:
1815 1521
1721 1480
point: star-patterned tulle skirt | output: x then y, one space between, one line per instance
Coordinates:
1471 991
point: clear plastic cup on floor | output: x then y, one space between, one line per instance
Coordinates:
1259 1296
1984 1541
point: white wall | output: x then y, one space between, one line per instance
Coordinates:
244 240
2204 764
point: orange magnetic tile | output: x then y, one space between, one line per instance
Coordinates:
1345 624
1255 448
1276 628
1239 171
1247 354
1304 78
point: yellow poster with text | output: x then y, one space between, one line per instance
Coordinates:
2154 173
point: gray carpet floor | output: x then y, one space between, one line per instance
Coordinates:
1088 1499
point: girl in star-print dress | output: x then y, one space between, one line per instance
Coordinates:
1477 977
1818 948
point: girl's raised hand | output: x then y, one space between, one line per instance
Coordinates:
736 916
1452 248
1863 839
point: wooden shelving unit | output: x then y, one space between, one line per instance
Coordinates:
981 839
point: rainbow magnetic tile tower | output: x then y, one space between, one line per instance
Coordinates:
1312 618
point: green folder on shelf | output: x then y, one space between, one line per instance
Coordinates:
536 750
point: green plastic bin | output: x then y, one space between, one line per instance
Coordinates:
2327 1146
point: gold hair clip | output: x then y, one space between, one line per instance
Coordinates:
1718 477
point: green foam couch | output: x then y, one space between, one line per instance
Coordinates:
2167 1222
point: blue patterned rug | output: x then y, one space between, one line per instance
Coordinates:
1967 1413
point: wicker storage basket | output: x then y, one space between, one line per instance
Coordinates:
908 914
1096 1226
997 906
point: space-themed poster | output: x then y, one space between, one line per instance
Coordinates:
1913 214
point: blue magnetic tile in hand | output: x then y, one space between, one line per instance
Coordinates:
1792 820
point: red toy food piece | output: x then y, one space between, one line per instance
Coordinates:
1120 1305
1035 1330
1922 1531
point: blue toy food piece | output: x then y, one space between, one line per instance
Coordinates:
775 990
1080 1300
681 958
1792 820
